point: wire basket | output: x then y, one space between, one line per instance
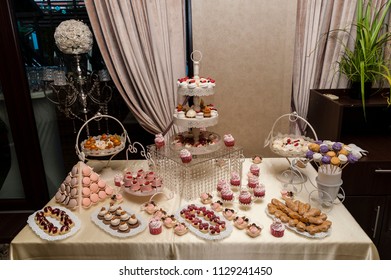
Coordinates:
289 145
83 153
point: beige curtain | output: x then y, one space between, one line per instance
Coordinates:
316 53
143 46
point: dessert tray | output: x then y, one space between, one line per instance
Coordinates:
195 122
103 151
319 235
208 147
207 235
133 231
42 234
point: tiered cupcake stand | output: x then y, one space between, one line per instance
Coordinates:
210 162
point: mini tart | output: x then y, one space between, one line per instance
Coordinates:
253 230
150 207
229 214
241 222
180 229
206 198
169 221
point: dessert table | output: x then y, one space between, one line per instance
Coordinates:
346 239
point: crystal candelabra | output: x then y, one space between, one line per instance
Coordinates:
78 94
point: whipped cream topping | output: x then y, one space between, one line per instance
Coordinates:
228 137
226 191
185 153
245 194
235 176
278 225
159 138
155 223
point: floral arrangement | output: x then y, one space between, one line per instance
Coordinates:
333 153
73 37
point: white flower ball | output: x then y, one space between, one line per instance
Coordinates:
73 37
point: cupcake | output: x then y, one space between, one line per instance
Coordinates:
235 179
229 141
259 191
227 194
155 226
277 228
253 230
254 169
185 155
220 184
159 140
245 197
253 182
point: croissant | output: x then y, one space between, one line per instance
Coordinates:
301 226
315 220
303 207
271 208
293 222
311 213
293 205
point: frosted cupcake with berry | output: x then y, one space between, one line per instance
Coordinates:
235 179
185 156
159 141
229 140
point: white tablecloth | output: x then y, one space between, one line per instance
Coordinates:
346 241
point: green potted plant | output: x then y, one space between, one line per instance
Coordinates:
365 64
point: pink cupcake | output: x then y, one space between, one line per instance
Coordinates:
245 197
254 169
186 156
277 228
221 183
159 140
229 141
259 191
253 182
227 194
155 226
235 179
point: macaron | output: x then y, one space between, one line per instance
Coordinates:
94 198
